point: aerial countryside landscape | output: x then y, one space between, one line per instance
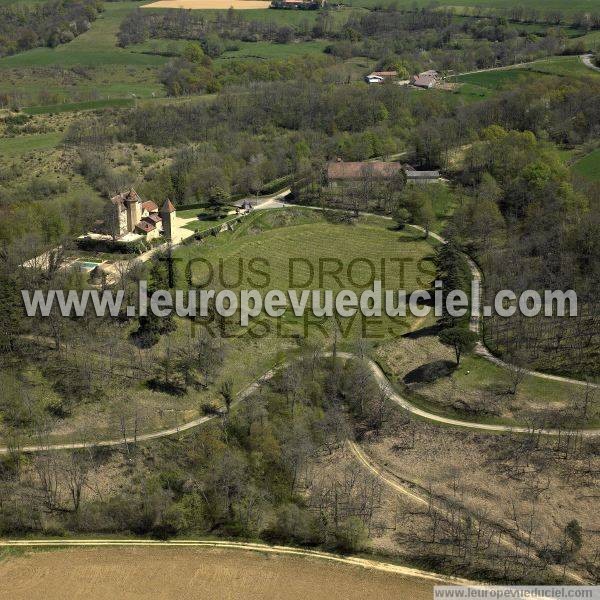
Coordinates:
299 299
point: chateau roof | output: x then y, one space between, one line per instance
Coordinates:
128 196
150 206
146 225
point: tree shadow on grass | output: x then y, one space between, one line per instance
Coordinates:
430 372
158 385
432 330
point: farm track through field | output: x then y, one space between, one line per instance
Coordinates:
585 58
370 564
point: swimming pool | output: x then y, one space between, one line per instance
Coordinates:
86 265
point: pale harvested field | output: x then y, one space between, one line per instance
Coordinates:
199 4
182 573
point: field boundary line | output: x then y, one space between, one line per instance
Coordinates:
371 564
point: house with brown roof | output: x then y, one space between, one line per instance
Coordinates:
425 80
356 171
339 172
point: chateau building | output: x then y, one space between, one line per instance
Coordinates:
130 214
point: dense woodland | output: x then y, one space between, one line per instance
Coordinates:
49 24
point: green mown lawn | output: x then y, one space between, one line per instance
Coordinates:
589 166
291 247
202 224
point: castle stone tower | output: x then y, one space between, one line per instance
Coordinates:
133 208
167 214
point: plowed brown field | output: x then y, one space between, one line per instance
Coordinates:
224 4
186 573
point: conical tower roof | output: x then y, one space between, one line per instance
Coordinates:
167 207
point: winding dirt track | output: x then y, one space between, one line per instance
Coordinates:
586 59
382 380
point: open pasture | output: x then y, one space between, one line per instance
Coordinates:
589 166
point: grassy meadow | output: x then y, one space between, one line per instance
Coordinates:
17 146
103 70
476 390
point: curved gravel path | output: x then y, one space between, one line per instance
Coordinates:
381 379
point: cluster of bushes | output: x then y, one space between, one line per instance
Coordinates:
109 246
193 72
